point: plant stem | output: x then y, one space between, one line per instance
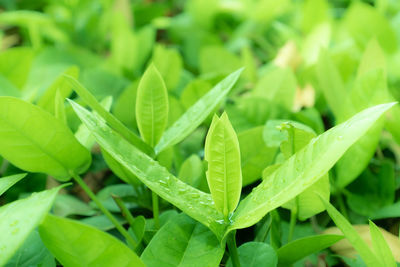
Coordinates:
108 214
293 218
154 198
233 250
124 210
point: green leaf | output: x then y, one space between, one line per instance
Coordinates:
352 236
76 244
217 60
61 86
300 248
360 14
277 85
192 245
66 205
111 120
196 114
192 171
381 247
125 105
32 253
15 64
59 109
193 202
7 182
151 106
307 203
304 168
255 154
224 174
35 141
331 84
255 254
19 218
169 62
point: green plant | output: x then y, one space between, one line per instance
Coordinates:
199 133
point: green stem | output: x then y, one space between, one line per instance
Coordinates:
233 250
124 210
154 198
293 218
88 191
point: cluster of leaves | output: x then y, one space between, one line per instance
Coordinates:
183 152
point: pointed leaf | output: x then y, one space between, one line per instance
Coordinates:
380 246
224 174
196 114
151 106
193 202
111 120
352 236
7 182
19 218
79 245
304 168
33 140
300 248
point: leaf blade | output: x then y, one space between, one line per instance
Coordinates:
34 140
317 158
151 106
197 113
224 175
71 242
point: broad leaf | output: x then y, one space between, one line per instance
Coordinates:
304 168
192 245
193 202
32 253
151 106
196 114
35 141
300 248
7 182
76 244
224 174
19 218
256 254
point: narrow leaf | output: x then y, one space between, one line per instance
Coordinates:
381 247
300 248
79 245
111 120
196 114
352 236
193 202
7 182
304 168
